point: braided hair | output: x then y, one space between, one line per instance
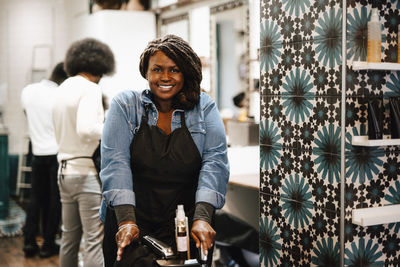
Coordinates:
188 63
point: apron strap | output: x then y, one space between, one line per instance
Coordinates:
146 112
183 122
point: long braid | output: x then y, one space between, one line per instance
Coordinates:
187 61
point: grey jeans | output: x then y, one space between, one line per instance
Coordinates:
80 200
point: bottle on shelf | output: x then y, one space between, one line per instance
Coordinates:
182 234
394 104
398 45
374 38
375 118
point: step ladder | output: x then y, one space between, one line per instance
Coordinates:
23 169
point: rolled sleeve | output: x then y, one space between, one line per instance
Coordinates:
214 173
116 175
118 197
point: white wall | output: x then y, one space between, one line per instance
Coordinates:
24 24
127 33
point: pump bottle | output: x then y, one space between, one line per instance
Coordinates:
374 38
182 233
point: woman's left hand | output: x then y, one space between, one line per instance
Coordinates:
203 234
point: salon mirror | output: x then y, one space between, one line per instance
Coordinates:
229 52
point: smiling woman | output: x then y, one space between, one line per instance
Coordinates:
161 148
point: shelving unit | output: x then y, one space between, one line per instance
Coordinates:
364 141
363 65
376 215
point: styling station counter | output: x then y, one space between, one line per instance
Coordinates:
245 166
242 197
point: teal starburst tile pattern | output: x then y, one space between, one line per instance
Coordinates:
288 242
363 253
270 242
357 33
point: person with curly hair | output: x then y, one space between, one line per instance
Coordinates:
78 119
163 147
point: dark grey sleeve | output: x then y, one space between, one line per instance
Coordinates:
125 213
204 211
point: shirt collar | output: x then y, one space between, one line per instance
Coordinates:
146 97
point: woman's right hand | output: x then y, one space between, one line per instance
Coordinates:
128 231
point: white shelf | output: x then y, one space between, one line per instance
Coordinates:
376 215
363 65
385 141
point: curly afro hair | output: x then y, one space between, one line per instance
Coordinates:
188 63
91 56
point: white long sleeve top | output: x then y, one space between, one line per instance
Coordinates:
78 119
37 100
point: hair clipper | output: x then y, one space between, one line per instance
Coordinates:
159 247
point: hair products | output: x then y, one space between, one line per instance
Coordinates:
374 38
398 45
182 234
394 103
375 119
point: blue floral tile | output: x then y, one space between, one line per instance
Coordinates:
270 242
270 133
357 33
328 27
391 193
376 245
363 252
362 163
272 81
300 119
271 57
391 86
326 252
326 154
298 69
270 156
293 117
329 52
305 20
376 83
356 115
301 234
321 6
298 82
297 200
296 8
356 84
271 181
271 207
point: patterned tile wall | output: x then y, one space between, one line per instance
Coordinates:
300 132
301 47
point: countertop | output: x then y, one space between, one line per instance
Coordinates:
244 166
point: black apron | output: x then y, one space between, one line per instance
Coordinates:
165 170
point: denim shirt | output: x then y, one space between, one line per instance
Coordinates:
123 120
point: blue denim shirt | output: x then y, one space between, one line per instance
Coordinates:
123 120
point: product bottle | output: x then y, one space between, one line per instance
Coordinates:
182 234
374 38
375 119
394 104
398 45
